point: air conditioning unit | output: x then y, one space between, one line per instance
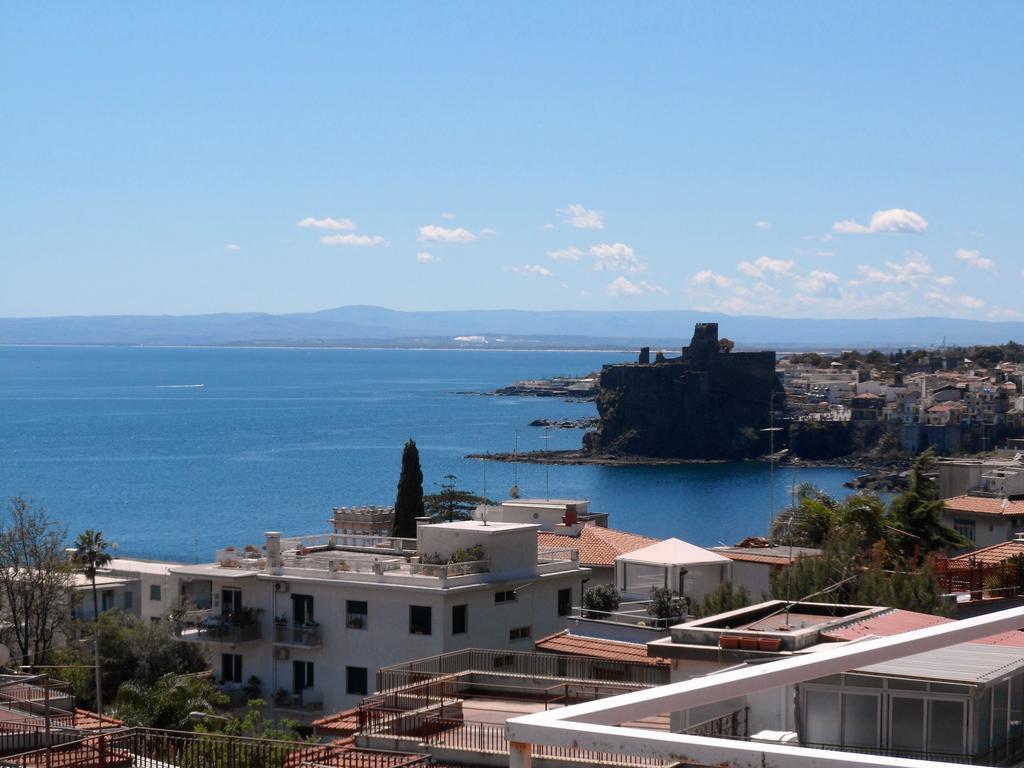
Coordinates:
280 586
281 654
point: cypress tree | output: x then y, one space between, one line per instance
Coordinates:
409 502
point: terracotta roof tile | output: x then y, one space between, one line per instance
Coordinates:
339 724
981 505
89 721
896 621
597 546
993 555
598 648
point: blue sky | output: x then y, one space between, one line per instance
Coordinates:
792 159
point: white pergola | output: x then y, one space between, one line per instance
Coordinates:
595 725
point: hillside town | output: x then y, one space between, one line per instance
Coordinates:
358 646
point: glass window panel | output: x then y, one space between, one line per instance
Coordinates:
863 681
907 724
860 720
821 714
984 719
908 685
946 727
1016 705
963 690
1000 707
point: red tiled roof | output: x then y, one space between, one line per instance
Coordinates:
90 721
997 553
981 505
897 621
339 724
598 648
345 753
597 546
885 624
753 557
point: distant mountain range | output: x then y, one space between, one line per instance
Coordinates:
377 326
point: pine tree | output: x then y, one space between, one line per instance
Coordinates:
409 502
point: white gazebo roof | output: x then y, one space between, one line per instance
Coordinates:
673 552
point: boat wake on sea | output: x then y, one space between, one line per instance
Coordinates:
180 386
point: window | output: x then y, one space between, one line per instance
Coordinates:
231 667
506 596
564 601
964 527
459 619
520 633
302 675
154 592
356 611
302 609
355 680
419 619
230 601
129 601
107 600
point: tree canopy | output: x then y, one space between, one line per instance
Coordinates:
452 503
409 501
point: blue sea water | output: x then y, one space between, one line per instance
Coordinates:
122 440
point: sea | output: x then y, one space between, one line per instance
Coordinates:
175 452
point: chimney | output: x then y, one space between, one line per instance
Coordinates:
274 561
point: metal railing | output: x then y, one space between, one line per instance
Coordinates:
309 635
444 570
518 663
478 737
556 554
634 618
221 633
142 747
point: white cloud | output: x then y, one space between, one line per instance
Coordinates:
707 277
530 269
969 302
582 218
232 247
620 286
915 267
616 257
326 223
566 254
432 233
448 216
818 281
1004 313
762 224
356 240
487 232
891 220
974 259
548 227
765 266
425 258
946 280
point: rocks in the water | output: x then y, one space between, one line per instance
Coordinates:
585 423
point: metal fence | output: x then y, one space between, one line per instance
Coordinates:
519 663
147 748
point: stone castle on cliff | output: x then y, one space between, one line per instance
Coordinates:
710 403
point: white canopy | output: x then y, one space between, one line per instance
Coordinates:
673 552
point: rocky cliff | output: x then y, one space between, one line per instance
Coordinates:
706 404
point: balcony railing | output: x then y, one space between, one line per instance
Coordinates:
308 635
221 633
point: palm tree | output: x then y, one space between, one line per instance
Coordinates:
90 555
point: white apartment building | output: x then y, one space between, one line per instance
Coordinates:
314 617
145 588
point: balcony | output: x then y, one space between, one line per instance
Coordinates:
206 626
302 635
